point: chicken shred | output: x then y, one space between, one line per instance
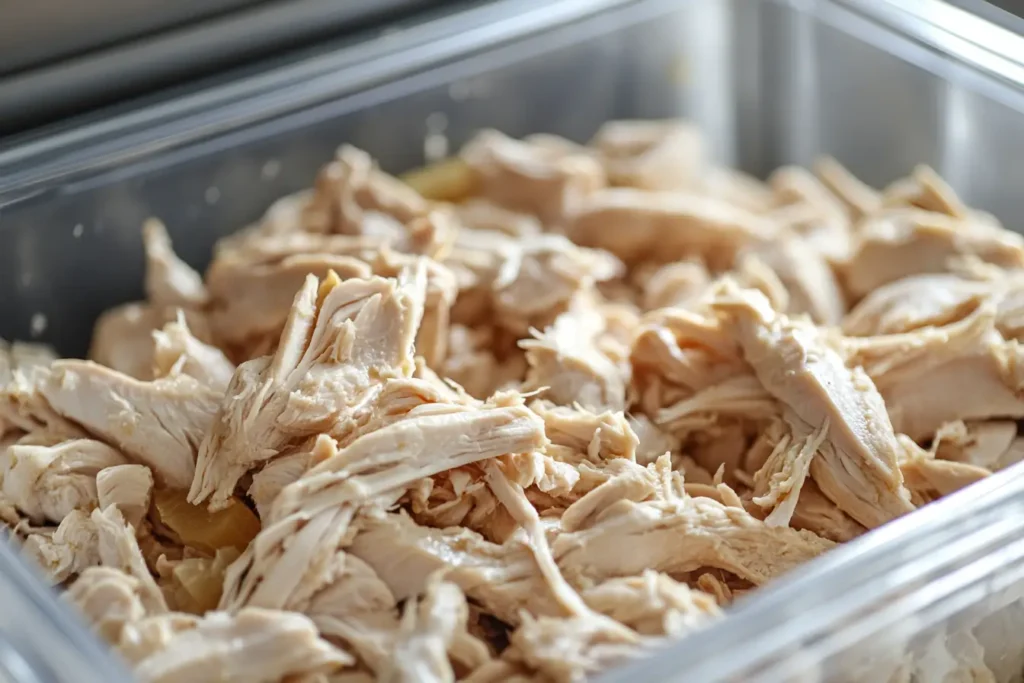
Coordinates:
558 409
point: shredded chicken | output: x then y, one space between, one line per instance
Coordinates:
522 415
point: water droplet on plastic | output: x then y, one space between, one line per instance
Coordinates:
38 324
270 169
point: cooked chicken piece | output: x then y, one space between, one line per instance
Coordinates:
477 257
285 215
950 655
674 284
252 646
22 356
502 578
814 512
796 185
428 440
21 409
47 482
929 478
652 441
902 242
914 373
252 279
600 436
354 197
158 424
9 515
567 362
473 364
739 188
924 189
856 465
460 497
915 302
148 636
441 290
252 285
740 396
778 483
543 275
533 178
921 402
288 561
622 481
123 336
675 533
537 471
514 499
119 549
711 584
1013 455
109 599
83 541
719 445
753 273
677 353
982 444
278 473
651 155
526 283
24 410
358 609
177 351
66 551
123 339
811 286
169 280
340 340
653 604
480 214
889 358
859 198
430 633
662 227
811 211
387 459
682 537
564 650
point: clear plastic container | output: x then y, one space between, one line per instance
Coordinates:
880 84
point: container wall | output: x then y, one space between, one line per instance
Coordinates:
837 81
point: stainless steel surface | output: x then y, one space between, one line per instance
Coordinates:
57 64
880 84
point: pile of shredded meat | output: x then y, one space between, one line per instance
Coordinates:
522 415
